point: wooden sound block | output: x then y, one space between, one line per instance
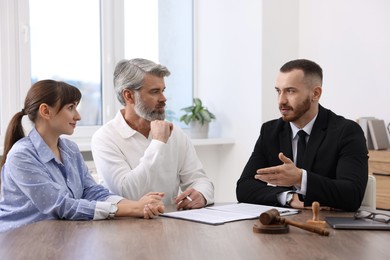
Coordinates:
271 229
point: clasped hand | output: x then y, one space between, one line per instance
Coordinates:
153 205
285 175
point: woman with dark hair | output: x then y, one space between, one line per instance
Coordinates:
44 175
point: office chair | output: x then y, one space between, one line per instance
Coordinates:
369 199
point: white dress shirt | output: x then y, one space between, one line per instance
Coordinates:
131 165
282 197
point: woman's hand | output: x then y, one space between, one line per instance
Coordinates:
153 205
149 206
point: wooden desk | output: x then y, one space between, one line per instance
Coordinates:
379 162
166 238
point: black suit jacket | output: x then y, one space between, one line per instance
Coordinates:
336 161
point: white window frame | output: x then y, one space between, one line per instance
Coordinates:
15 63
11 73
15 69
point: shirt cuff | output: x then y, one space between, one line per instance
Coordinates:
102 209
302 190
282 197
157 143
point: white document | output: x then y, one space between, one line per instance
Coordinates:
217 215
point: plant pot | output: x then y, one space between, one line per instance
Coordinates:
198 131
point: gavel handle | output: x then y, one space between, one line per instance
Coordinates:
307 227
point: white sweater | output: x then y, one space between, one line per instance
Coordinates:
131 165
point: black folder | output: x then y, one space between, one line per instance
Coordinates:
352 223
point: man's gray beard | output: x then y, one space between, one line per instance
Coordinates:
145 113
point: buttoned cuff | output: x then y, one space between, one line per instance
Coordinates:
103 207
302 190
282 197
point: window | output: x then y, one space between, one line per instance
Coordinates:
65 46
162 31
80 42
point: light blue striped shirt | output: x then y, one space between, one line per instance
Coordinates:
37 186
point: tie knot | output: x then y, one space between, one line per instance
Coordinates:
301 133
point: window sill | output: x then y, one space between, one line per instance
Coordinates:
85 143
212 141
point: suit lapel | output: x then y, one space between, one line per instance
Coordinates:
317 135
285 140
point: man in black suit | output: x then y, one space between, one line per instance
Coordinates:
334 168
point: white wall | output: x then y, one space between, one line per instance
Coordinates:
228 79
351 41
240 45
280 41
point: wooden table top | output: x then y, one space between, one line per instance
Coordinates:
167 238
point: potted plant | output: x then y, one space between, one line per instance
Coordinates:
198 117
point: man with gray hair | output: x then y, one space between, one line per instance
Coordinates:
138 151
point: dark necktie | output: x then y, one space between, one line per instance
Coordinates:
301 147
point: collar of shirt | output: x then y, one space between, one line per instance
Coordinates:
123 128
294 136
307 128
41 147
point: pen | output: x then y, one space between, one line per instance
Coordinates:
187 197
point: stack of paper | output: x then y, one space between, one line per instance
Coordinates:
375 132
378 133
216 215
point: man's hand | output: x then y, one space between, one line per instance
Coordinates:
285 175
190 199
296 203
161 130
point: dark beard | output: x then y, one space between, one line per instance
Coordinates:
300 110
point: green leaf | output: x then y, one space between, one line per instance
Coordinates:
212 116
196 112
197 102
197 109
187 109
185 118
205 115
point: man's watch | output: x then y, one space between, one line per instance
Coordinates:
289 198
113 210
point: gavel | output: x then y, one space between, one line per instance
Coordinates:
272 216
